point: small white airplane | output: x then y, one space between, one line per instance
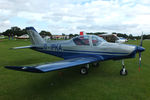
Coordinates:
113 38
121 40
81 50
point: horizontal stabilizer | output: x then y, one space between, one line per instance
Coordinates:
22 47
54 66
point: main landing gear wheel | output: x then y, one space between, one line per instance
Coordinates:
123 72
84 70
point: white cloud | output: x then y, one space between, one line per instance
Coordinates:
31 16
72 16
4 24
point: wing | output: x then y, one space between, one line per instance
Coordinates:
55 66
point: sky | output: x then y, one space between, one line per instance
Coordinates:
73 16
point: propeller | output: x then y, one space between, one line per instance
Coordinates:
141 42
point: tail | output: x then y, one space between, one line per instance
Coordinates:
35 38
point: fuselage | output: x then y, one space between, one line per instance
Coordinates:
89 46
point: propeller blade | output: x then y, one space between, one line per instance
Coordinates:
141 39
140 60
141 42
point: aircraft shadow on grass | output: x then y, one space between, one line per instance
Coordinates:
63 79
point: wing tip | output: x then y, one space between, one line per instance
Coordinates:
26 69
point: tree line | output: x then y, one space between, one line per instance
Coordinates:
130 36
18 32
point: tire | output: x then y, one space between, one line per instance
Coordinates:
96 64
83 71
123 73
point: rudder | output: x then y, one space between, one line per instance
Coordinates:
35 37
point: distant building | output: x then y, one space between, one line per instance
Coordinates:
2 36
60 36
25 36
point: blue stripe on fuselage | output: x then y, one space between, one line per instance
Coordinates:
95 52
81 51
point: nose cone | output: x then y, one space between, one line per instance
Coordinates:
140 49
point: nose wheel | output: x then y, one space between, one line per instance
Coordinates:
123 71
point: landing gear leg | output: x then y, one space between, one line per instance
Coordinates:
84 70
123 71
95 64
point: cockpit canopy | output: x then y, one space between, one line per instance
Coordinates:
85 40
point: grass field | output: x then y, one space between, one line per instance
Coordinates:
102 83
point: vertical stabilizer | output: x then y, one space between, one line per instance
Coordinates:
35 37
